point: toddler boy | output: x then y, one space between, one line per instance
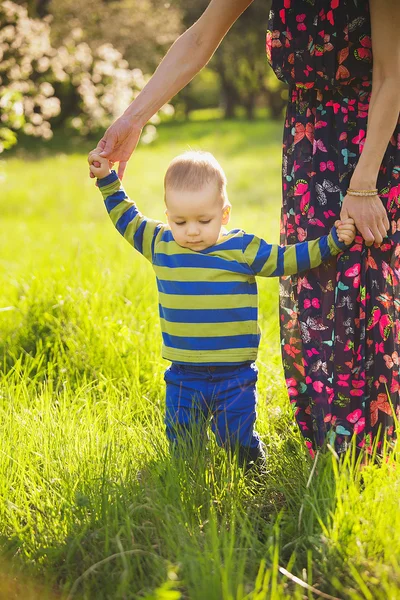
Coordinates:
206 279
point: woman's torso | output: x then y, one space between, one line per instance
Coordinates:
320 43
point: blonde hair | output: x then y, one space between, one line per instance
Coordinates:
194 169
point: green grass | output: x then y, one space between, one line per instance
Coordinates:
92 505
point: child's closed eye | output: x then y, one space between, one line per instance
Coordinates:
205 222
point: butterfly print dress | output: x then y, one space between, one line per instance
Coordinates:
340 326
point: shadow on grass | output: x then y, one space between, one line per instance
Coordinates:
16 585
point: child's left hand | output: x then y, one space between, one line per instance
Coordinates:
346 231
99 166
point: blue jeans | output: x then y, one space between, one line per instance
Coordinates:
224 395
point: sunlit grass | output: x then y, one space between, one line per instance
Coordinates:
92 505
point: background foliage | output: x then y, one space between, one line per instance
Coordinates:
78 65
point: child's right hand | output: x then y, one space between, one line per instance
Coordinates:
98 165
346 231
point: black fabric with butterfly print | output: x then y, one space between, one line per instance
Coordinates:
340 324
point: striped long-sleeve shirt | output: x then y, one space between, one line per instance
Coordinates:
208 301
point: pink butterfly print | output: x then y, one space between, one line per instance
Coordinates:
314 302
357 387
327 418
308 70
287 3
320 124
330 394
305 204
374 318
390 361
394 193
348 346
356 247
357 420
354 271
300 188
364 53
379 347
327 165
310 449
346 109
318 386
302 283
317 222
312 352
385 326
394 386
289 229
362 110
301 26
335 106
301 234
343 380
319 145
359 139
329 213
386 270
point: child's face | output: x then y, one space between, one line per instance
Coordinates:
196 218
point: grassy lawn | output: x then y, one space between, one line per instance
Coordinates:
92 505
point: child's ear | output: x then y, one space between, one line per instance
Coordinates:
226 214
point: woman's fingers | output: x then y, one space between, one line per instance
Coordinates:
378 238
367 235
121 168
382 229
386 223
108 145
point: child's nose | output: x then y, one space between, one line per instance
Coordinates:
193 229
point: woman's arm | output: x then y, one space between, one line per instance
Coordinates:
369 214
186 57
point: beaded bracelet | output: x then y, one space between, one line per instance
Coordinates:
364 193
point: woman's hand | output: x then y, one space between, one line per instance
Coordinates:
369 215
119 142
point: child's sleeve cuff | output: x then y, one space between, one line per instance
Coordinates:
341 246
111 178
